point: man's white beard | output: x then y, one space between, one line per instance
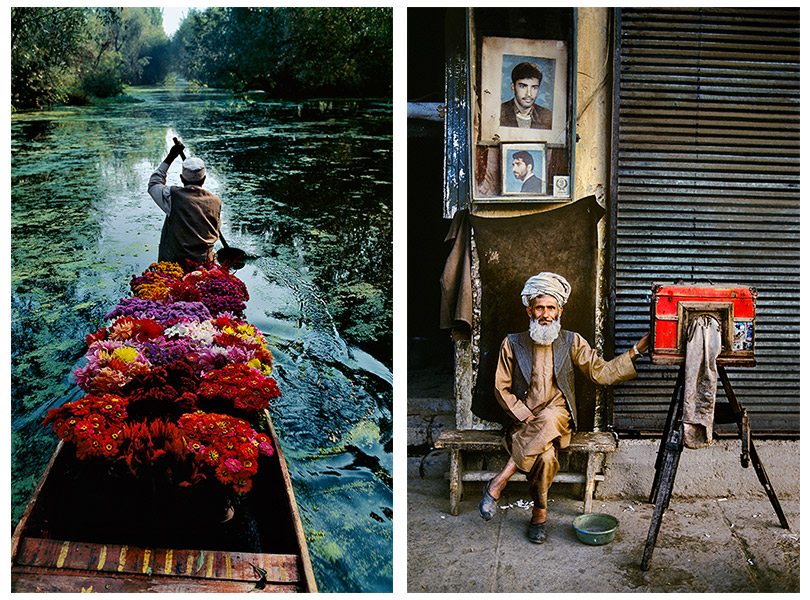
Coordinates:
544 334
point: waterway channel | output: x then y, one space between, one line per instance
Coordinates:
306 189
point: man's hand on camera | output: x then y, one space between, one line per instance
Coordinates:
640 347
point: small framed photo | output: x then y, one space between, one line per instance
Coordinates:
523 169
523 90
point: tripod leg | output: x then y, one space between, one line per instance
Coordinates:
669 468
766 483
677 395
740 412
745 434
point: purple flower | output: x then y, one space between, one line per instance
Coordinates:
159 311
165 352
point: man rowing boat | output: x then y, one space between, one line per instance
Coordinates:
192 221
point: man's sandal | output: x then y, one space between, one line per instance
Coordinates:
537 533
488 505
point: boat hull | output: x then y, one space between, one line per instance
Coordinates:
50 553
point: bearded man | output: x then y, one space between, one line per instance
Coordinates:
534 384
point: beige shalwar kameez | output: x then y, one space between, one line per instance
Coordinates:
534 444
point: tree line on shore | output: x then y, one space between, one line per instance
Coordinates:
62 55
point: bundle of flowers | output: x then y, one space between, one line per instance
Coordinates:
157 449
228 445
100 427
129 346
93 424
221 341
111 365
214 287
239 386
218 289
162 352
154 283
176 347
242 343
128 328
161 312
163 392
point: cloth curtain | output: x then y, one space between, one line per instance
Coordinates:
703 346
510 250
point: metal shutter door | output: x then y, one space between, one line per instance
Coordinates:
706 188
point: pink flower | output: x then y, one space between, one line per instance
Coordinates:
208 359
233 465
239 354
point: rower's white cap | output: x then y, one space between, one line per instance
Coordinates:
193 170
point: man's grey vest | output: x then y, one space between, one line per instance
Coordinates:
563 367
191 227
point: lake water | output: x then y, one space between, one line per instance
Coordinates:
306 189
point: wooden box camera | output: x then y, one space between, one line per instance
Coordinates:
674 307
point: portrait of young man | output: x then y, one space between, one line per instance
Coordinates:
521 110
528 174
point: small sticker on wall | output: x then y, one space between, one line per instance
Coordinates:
561 186
743 335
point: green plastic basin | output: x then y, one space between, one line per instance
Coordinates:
596 529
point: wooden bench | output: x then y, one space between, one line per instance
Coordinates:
595 444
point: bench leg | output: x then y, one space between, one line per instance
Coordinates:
456 488
594 463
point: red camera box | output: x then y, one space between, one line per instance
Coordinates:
675 306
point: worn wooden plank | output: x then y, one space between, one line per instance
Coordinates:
111 558
476 439
558 478
34 579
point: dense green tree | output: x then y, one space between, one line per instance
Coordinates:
71 54
339 49
80 53
45 43
203 37
125 41
289 51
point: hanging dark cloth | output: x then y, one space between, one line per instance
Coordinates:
510 250
456 281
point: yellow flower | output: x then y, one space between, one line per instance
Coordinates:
127 354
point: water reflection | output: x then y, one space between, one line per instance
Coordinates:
306 189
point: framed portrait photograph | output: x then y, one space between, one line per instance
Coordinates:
523 90
523 169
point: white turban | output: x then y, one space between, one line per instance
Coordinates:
193 170
546 284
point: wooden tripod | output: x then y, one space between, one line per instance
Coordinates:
669 453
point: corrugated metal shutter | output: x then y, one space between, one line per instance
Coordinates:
706 188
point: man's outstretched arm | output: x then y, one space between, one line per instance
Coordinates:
157 187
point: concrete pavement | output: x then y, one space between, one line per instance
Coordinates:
723 544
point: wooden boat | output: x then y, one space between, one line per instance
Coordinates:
53 552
